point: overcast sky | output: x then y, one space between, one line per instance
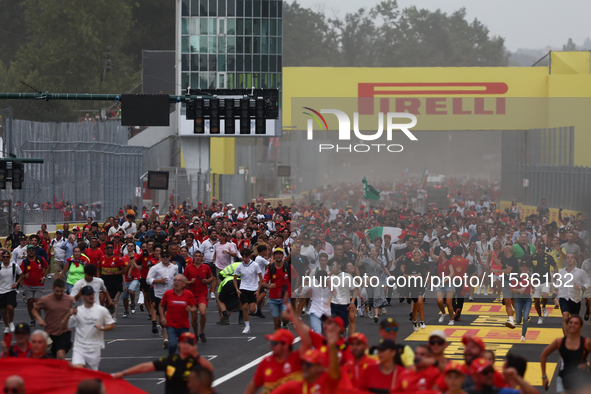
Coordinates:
531 24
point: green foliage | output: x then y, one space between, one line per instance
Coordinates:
386 36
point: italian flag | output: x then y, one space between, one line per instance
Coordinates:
395 232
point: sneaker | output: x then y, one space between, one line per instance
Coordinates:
540 320
441 318
401 300
415 326
503 301
410 316
212 296
11 326
423 326
510 324
485 292
202 337
6 330
451 323
165 344
115 319
478 291
240 318
33 323
284 325
161 331
383 311
458 314
132 309
125 314
260 314
544 312
470 298
154 330
246 330
142 307
375 319
225 320
522 338
587 315
408 300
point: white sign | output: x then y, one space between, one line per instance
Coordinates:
525 182
138 191
253 179
208 187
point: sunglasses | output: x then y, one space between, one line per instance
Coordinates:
275 343
11 390
436 342
6 255
391 329
488 371
109 247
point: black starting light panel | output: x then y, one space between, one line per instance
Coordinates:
145 110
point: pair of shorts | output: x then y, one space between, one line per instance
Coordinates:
445 289
247 297
90 360
481 269
228 295
144 286
568 305
8 299
202 299
58 266
214 269
130 286
507 293
33 292
276 306
61 342
415 294
156 302
340 310
113 289
542 288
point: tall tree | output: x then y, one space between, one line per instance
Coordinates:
570 45
12 23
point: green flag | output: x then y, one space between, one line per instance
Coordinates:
370 192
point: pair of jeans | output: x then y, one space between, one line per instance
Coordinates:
522 309
315 323
173 338
69 288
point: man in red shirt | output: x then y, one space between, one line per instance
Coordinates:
94 253
418 378
22 347
317 378
35 270
132 278
354 368
278 280
281 366
113 272
178 302
198 277
460 267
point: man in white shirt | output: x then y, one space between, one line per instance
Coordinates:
571 283
114 228
10 277
208 252
251 278
88 322
344 293
129 226
161 276
20 252
96 283
333 212
58 253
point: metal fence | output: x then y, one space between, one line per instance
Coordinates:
88 170
565 187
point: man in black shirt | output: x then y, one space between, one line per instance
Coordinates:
416 271
15 237
180 365
541 263
509 265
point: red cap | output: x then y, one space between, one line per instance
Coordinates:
337 319
358 336
199 203
479 365
362 206
478 341
465 235
461 203
75 228
188 337
281 335
314 356
454 366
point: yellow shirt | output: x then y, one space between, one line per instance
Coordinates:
557 257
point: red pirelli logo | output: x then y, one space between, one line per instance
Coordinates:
367 92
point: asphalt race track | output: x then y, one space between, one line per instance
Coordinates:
235 355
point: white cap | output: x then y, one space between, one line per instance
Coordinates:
438 334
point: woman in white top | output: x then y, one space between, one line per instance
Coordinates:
483 250
319 288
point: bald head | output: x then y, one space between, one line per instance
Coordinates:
508 250
15 383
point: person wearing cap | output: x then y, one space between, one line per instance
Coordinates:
277 279
11 277
56 306
354 367
388 329
281 366
58 253
22 346
35 270
176 367
418 377
482 373
385 375
437 345
89 322
454 378
320 368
